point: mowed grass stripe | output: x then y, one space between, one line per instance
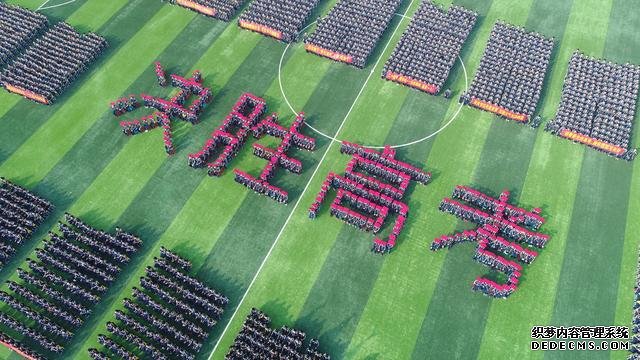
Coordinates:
343 289
75 15
19 122
158 188
203 230
629 264
170 171
449 290
181 48
419 115
509 324
595 242
142 155
249 243
107 82
503 164
335 307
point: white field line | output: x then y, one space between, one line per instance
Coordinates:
43 7
43 4
284 226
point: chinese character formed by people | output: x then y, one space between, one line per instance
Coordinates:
277 158
166 110
374 183
501 227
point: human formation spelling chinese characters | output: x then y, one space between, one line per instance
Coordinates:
232 249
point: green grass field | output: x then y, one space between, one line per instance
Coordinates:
319 275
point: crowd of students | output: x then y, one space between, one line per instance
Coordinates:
18 28
219 9
512 70
52 63
386 158
599 101
352 29
492 288
169 317
21 212
430 47
62 287
281 19
509 228
257 341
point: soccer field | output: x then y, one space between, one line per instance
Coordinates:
319 276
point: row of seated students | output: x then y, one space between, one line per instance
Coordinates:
220 9
18 27
257 340
283 19
60 289
353 28
21 213
430 46
168 317
52 63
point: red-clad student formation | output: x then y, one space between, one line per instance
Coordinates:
166 110
374 183
503 230
247 117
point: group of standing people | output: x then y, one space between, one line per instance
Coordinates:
52 63
61 288
21 212
219 9
281 19
512 70
635 320
257 340
353 28
504 230
599 101
169 317
231 135
18 28
430 46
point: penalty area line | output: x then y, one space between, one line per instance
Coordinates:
44 7
304 191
